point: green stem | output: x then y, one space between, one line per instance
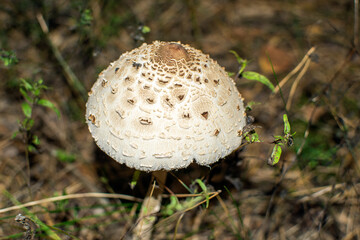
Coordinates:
27 159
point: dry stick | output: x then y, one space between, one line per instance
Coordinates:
296 82
177 225
322 191
75 85
71 196
295 70
316 191
182 195
151 205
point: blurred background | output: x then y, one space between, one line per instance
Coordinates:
52 52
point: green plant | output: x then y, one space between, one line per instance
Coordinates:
64 156
32 92
85 18
250 75
280 141
195 198
8 57
251 136
249 133
83 25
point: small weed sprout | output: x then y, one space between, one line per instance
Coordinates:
84 23
139 33
202 197
280 141
8 57
85 18
32 91
254 76
249 131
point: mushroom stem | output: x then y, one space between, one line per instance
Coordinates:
151 205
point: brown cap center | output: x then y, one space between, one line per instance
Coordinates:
171 52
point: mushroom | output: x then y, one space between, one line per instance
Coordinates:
163 106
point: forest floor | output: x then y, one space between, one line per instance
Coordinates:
312 193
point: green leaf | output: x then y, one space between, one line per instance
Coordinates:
286 125
14 134
8 57
145 29
36 91
250 104
230 74
279 138
26 108
135 179
27 123
35 140
275 155
31 148
86 18
252 137
25 95
25 84
204 188
240 60
47 103
64 156
201 184
258 77
172 206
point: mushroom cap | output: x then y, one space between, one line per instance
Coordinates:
164 105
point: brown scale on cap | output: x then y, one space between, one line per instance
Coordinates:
171 52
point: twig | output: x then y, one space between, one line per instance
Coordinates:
295 84
71 196
75 85
177 225
295 70
318 191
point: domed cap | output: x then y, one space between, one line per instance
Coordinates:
163 105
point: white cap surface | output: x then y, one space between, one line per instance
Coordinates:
164 105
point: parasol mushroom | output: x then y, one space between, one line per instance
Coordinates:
163 106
